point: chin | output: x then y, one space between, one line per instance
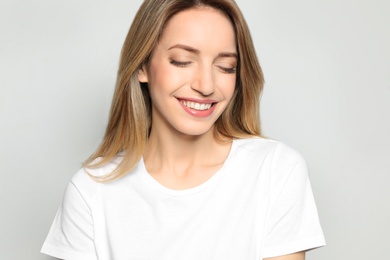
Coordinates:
195 131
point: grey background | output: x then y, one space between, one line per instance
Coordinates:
327 94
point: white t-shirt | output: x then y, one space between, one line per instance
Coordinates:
259 204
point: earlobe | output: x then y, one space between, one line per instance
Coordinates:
142 75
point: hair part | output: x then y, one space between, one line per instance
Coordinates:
129 122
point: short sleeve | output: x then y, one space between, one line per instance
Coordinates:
293 223
71 235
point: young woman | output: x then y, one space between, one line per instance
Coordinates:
182 172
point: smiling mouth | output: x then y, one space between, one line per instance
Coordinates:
197 106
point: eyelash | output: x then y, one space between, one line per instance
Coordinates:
228 70
180 64
183 64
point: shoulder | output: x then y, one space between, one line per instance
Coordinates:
275 158
280 152
83 182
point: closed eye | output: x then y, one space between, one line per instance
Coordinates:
180 63
227 70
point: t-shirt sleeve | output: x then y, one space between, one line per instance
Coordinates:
293 223
71 234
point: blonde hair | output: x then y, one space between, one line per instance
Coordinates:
130 116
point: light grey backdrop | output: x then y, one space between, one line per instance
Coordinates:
327 94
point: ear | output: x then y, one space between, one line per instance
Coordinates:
143 74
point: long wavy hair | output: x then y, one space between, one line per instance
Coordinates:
130 116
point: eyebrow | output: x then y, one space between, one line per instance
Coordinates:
196 51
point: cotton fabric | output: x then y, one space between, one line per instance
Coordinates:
259 204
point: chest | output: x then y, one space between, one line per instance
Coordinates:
225 220
215 225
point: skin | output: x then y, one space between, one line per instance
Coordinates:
195 59
295 256
186 65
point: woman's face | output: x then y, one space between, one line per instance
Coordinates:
192 72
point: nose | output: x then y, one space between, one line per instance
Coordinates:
203 82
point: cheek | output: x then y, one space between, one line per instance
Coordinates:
166 76
228 86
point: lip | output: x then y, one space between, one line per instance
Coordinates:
198 113
200 101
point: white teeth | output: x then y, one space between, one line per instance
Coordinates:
196 106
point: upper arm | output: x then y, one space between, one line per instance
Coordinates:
295 256
293 224
71 235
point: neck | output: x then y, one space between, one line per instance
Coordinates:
178 154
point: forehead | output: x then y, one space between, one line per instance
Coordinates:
200 27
